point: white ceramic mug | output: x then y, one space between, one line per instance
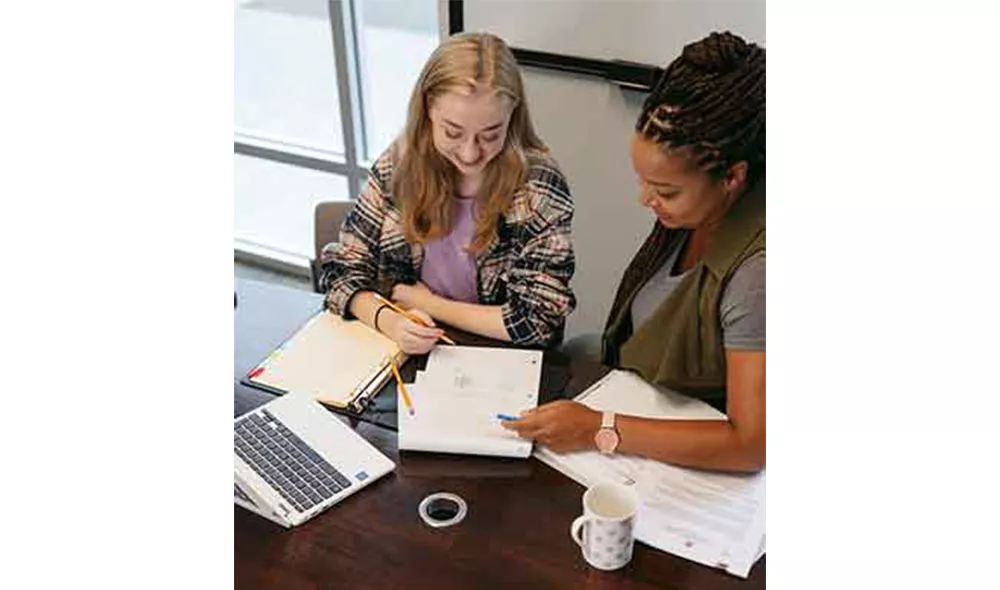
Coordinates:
606 531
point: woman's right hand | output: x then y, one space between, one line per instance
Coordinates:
411 337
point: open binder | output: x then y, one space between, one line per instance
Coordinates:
340 363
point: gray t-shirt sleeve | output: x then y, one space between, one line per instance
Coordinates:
742 309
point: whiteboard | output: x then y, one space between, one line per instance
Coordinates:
651 32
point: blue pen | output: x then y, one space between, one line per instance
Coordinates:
507 418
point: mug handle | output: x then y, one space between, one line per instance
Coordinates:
576 529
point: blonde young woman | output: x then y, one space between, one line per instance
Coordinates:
465 218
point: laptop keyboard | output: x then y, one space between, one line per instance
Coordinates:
302 477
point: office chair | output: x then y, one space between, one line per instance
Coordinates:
328 217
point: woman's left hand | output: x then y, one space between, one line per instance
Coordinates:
416 295
563 426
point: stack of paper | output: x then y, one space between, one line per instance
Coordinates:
458 396
711 518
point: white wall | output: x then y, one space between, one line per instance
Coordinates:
588 121
645 31
588 124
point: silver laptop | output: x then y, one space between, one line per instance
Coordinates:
293 459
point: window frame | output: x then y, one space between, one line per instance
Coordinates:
353 164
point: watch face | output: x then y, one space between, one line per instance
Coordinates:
606 440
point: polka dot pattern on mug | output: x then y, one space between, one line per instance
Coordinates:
609 544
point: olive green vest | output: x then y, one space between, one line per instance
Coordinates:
679 346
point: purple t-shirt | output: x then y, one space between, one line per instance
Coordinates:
448 269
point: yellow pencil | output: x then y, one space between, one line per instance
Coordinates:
409 316
402 388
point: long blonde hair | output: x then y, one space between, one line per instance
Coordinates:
424 182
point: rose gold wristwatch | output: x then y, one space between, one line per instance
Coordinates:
607 437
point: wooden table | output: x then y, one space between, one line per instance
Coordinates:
516 534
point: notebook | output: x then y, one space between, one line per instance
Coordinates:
458 396
340 363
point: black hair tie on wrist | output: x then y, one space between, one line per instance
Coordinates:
377 312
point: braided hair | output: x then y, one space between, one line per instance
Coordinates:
711 101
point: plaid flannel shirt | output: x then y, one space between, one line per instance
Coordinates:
526 269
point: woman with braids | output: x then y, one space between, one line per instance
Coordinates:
465 218
689 312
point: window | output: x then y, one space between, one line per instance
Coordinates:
275 202
285 77
387 31
320 89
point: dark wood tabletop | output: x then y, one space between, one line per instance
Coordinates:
516 533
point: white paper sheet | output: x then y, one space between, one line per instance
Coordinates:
459 395
711 518
485 369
